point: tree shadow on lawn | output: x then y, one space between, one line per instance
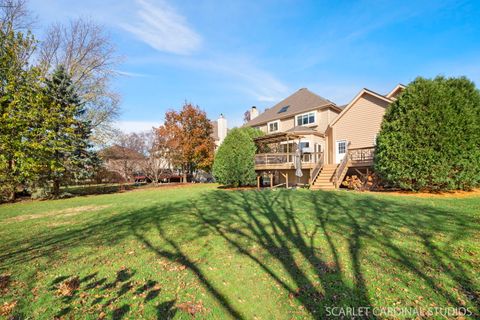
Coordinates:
383 226
90 293
272 221
304 232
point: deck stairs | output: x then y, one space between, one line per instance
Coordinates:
325 179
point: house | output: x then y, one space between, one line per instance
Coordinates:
124 162
329 139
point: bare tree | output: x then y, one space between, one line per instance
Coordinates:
14 15
126 156
156 162
88 55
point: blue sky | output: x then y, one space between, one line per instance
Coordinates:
226 56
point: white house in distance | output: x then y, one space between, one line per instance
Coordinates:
220 129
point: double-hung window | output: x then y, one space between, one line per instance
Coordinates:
273 126
306 119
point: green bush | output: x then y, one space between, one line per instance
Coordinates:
234 161
430 136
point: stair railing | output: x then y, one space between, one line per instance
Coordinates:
318 167
341 167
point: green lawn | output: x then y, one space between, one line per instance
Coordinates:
289 254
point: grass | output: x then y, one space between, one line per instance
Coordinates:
196 250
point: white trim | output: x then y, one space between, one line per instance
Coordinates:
357 97
272 122
399 86
308 114
337 160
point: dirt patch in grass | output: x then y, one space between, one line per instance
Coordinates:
445 194
63 213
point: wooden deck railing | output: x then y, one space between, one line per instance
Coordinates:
361 154
318 167
284 158
340 171
354 156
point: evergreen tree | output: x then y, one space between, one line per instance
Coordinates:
430 136
65 146
234 161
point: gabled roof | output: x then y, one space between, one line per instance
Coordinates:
358 96
301 101
117 152
394 92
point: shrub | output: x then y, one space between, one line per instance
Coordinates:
234 161
430 136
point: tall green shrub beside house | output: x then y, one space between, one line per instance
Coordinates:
234 161
430 136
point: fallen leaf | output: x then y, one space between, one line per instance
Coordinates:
7 308
68 287
192 307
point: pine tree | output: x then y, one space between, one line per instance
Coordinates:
65 147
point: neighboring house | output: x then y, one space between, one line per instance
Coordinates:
331 139
219 130
123 161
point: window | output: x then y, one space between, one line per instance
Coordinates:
304 145
342 147
273 126
307 118
284 109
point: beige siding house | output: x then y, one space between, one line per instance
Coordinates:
328 139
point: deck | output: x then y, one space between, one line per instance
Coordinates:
285 161
360 157
355 158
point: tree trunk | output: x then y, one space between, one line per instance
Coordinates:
13 186
11 195
56 187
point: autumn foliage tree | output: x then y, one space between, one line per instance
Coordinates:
187 135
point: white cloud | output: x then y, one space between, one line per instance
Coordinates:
243 74
162 28
136 126
131 74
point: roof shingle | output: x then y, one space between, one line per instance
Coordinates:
301 101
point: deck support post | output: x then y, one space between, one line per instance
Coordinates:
271 180
288 151
285 175
258 182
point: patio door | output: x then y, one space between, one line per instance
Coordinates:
341 149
